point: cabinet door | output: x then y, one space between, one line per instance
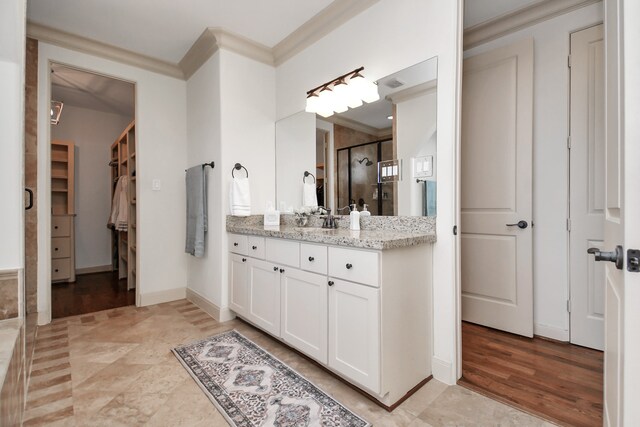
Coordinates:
239 292
354 332
304 312
264 295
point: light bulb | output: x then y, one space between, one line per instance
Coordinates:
367 90
347 95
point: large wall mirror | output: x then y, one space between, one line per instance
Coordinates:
348 154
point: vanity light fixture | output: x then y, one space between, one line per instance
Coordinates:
338 95
56 110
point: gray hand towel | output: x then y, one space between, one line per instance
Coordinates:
196 211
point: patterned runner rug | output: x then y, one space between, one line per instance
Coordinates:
252 388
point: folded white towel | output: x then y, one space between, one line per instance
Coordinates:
120 205
240 197
309 195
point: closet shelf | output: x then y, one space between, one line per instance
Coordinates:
59 175
59 190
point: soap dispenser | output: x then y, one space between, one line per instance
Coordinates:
364 211
354 218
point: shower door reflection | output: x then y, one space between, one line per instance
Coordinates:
358 177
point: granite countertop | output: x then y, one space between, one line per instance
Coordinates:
367 239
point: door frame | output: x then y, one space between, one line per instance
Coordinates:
44 193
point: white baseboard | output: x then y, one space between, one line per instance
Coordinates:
95 269
442 371
220 314
160 297
551 332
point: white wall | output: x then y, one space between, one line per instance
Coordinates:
231 115
390 36
550 160
92 132
12 52
416 137
161 134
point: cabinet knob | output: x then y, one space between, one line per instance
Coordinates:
254 247
244 260
331 283
275 268
235 243
55 227
55 249
311 258
349 266
282 270
56 270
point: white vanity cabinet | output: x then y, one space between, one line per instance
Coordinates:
364 314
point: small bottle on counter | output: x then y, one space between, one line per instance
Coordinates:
365 212
354 218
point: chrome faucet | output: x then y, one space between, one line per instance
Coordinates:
329 221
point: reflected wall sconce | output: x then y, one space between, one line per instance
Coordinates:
338 95
56 110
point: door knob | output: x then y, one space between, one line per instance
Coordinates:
520 224
616 256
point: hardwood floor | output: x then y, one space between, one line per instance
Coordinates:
90 293
557 381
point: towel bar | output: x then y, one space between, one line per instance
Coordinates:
212 164
238 166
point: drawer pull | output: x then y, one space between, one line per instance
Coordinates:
235 243
244 260
282 270
331 283
55 227
56 270
56 249
349 266
275 268
311 259
254 247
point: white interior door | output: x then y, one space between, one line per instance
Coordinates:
496 189
622 296
587 198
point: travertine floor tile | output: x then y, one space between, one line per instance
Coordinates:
121 372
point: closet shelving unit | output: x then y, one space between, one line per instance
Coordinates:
63 265
123 157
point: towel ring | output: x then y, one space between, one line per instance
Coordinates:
238 166
306 174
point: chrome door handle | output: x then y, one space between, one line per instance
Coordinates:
30 204
616 256
520 224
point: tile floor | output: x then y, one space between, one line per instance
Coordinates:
115 368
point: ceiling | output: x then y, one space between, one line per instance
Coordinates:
479 11
166 29
93 91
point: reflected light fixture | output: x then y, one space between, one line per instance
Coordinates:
56 110
338 95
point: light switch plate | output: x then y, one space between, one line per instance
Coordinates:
156 185
423 167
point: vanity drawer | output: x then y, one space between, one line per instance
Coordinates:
355 265
283 252
255 247
60 226
238 244
60 247
313 258
60 268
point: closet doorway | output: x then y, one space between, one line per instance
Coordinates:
93 192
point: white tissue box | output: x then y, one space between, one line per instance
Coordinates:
272 218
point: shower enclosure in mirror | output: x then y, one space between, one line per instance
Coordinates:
345 149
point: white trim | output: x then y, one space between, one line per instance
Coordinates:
160 297
60 38
330 18
413 92
442 371
519 19
95 269
44 317
552 332
219 314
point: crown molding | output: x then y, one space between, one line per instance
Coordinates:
413 91
327 20
519 19
67 40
